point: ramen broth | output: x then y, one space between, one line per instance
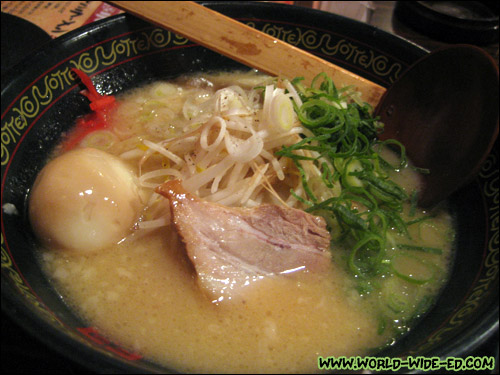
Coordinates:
142 292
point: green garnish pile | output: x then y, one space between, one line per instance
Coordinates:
369 203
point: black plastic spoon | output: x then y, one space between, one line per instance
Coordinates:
444 109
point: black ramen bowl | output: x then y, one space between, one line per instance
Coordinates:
41 100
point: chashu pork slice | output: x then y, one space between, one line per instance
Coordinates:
232 247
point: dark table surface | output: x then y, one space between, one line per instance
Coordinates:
21 353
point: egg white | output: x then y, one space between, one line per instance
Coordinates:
84 200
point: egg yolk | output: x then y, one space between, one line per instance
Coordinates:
84 200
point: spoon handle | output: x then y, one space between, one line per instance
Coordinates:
245 44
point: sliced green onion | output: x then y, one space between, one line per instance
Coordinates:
413 203
368 204
424 249
361 260
412 269
282 113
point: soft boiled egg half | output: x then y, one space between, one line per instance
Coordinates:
84 200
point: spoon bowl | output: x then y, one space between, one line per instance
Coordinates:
444 109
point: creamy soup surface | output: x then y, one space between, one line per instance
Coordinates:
142 293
